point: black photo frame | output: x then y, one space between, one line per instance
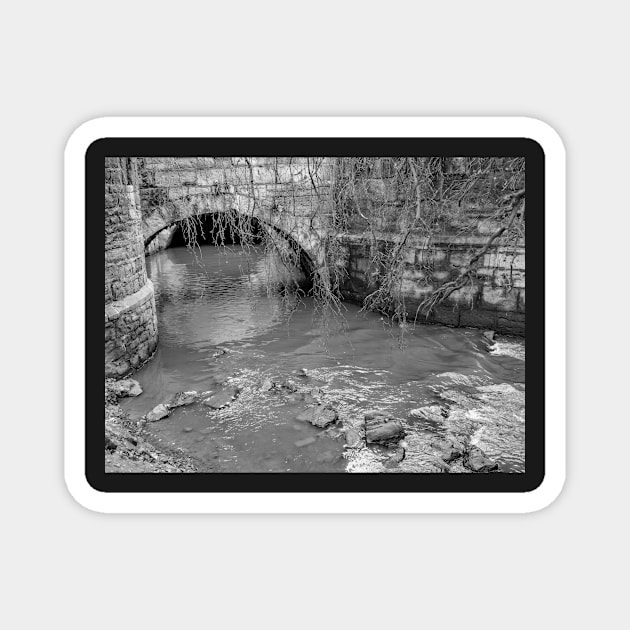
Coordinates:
315 482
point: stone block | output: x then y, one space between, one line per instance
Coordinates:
499 298
510 323
478 318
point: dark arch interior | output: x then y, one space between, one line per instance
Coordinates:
217 229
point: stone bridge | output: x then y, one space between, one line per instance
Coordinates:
289 198
277 192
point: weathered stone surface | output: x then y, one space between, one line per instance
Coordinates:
476 460
222 398
489 334
381 428
397 455
449 449
130 316
430 412
182 399
157 413
319 416
127 387
353 438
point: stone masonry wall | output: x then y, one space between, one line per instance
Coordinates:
175 188
130 315
495 300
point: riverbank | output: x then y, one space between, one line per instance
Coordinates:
127 449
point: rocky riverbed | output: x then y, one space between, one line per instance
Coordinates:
468 427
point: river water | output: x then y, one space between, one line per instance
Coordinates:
220 323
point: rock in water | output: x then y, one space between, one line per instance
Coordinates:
353 438
159 412
222 399
433 413
398 454
489 334
127 387
449 450
319 416
381 428
475 459
181 399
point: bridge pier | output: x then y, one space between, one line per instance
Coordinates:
130 316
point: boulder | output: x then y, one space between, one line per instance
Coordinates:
431 412
222 398
489 334
381 428
319 416
397 455
475 459
157 413
182 399
353 438
449 449
127 387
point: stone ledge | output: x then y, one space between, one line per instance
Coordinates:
114 310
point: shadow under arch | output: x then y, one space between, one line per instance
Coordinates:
224 229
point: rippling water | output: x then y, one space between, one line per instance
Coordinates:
218 321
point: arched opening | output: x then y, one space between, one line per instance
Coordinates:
218 229
231 229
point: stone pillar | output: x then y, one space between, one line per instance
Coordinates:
130 315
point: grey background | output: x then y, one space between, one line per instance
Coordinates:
66 62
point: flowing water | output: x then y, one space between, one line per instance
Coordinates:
219 323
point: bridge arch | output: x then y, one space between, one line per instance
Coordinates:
294 228
297 244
